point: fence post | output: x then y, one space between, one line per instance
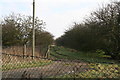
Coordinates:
24 50
47 54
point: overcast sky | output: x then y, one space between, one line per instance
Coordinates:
59 15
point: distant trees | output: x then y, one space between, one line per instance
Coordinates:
17 30
100 31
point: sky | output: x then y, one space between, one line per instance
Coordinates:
59 15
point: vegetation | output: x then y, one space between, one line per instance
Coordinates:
96 42
17 31
71 54
100 65
101 31
98 71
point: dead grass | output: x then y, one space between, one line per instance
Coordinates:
19 50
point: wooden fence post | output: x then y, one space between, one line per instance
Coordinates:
24 50
47 54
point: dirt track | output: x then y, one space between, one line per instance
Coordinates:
57 68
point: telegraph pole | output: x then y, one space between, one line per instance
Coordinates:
33 41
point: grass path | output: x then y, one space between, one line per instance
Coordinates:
70 54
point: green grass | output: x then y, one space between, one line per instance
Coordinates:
26 64
87 57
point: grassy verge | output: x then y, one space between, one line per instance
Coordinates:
65 53
26 64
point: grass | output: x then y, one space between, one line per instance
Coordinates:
99 64
65 53
26 64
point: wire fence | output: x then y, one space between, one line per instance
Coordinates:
40 68
23 67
